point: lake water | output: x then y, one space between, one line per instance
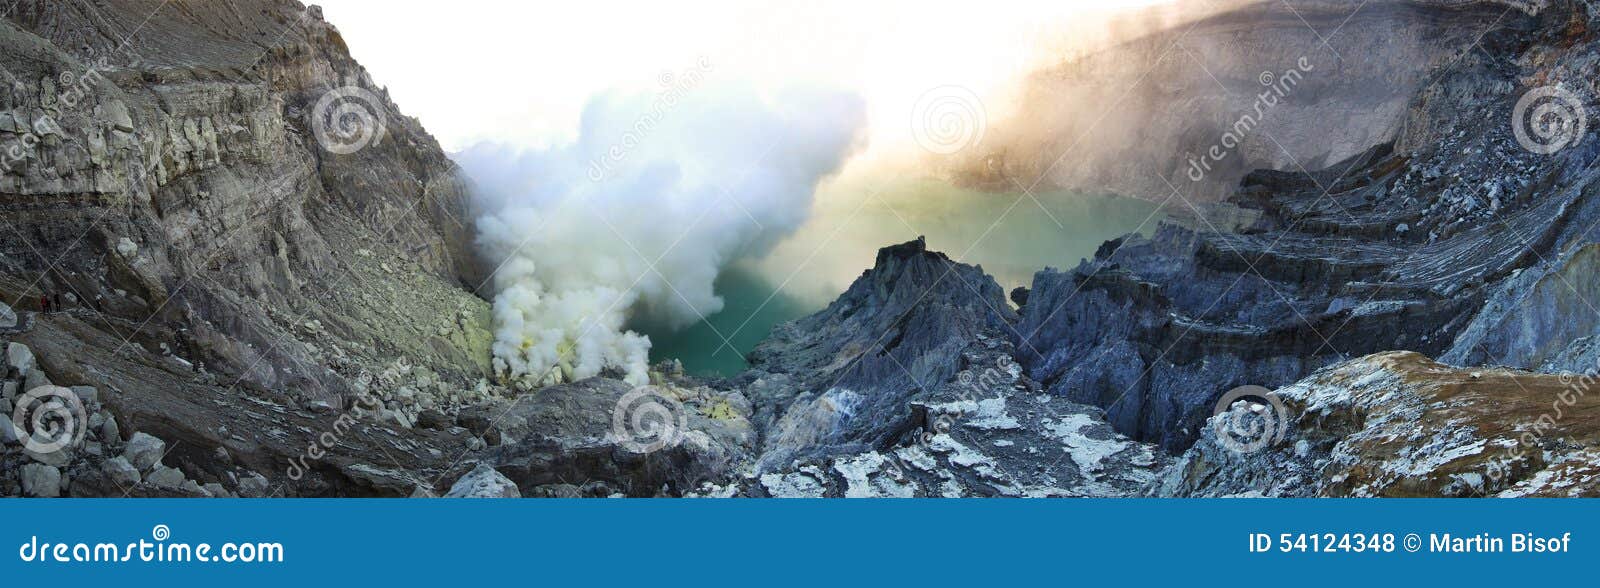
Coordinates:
1010 235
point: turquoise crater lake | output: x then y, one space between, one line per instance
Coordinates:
1011 235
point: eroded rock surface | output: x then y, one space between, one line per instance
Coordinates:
1449 243
987 431
1178 76
1399 424
211 264
842 377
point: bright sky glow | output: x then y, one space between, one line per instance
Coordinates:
520 72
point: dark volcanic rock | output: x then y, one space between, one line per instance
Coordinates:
1019 296
184 201
226 279
843 377
989 431
590 433
1429 245
1398 424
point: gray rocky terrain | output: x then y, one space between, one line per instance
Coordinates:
1198 68
248 309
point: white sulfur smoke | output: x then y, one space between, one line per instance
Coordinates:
635 219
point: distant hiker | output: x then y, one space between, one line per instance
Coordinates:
58 301
44 303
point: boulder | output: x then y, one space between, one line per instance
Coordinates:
253 485
41 480
58 457
120 471
35 380
109 431
166 478
705 435
87 394
8 431
433 419
144 451
126 247
8 317
483 482
20 358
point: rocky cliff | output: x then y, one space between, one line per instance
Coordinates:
1291 86
179 187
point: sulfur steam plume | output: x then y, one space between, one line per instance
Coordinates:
636 217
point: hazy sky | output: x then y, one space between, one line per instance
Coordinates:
519 72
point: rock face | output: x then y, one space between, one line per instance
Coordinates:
1180 76
897 332
987 431
41 480
599 437
216 253
1398 424
1155 329
906 386
1425 245
1541 319
483 482
218 225
119 470
144 452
